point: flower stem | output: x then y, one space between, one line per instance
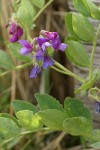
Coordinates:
16 68
42 9
93 53
68 72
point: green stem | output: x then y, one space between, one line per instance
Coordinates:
16 68
28 35
68 72
93 53
42 9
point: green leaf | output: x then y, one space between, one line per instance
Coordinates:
82 7
77 53
26 13
8 128
94 10
69 26
15 50
75 108
5 115
6 61
79 27
48 102
52 118
77 126
38 3
83 28
23 105
29 121
96 145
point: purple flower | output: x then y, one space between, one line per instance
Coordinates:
35 71
54 40
49 35
40 55
97 107
40 41
27 47
48 61
16 31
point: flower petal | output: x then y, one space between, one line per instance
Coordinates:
19 31
62 47
40 55
35 71
48 61
14 38
41 40
56 42
13 28
24 51
46 45
25 43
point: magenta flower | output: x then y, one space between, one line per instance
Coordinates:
16 31
35 71
40 41
27 47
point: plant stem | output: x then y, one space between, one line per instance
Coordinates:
42 9
16 68
68 72
93 53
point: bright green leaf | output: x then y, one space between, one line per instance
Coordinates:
77 126
5 61
15 50
82 7
82 27
8 128
48 102
5 115
75 108
29 121
26 13
69 26
52 118
94 10
38 3
19 105
77 53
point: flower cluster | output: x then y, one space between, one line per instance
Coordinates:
39 49
15 31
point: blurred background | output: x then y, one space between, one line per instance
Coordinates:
18 85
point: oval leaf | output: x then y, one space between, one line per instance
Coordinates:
77 54
38 3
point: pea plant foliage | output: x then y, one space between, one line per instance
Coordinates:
73 118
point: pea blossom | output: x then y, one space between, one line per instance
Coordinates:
16 31
27 47
41 57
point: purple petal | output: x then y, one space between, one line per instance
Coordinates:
46 45
40 55
35 71
26 44
13 28
24 51
48 62
56 43
14 38
51 35
97 107
41 41
19 31
62 47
